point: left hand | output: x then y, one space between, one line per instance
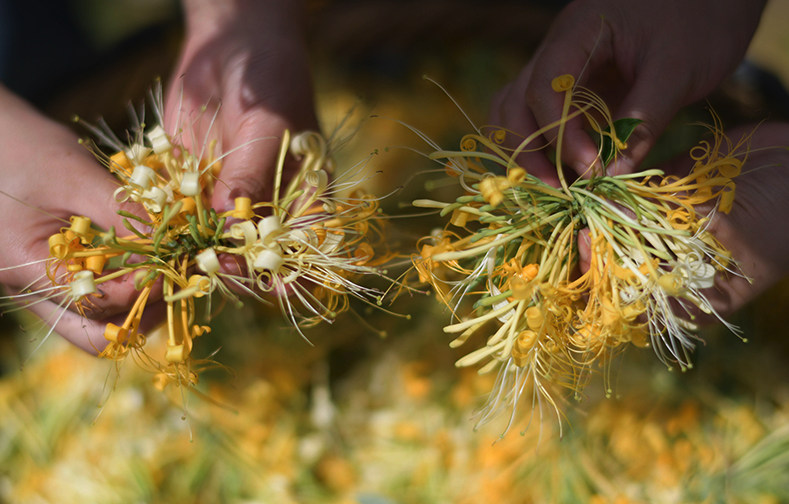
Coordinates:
754 230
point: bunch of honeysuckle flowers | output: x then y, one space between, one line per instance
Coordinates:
511 245
301 250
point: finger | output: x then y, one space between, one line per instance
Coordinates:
249 168
253 147
584 250
46 195
655 102
752 230
263 95
82 332
509 110
80 187
576 52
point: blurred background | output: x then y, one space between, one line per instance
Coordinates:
375 412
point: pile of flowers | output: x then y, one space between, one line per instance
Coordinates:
301 250
511 244
398 433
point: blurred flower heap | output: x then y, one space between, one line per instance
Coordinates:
512 245
303 254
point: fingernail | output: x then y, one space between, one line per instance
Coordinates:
622 165
586 170
230 203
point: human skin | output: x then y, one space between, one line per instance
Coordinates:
252 57
754 230
248 55
48 177
646 59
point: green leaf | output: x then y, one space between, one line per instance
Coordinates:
624 128
494 168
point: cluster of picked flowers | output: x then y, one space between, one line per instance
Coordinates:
511 245
301 250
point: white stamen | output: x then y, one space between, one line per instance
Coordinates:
137 153
154 199
245 232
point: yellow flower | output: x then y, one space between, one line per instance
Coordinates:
319 236
516 245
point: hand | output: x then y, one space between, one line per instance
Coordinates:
754 231
250 56
646 59
48 177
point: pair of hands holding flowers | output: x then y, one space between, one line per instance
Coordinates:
252 57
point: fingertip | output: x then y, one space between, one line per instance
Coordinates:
621 165
85 334
231 265
227 202
537 164
654 107
640 143
581 153
250 169
118 294
252 179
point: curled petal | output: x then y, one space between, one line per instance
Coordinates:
207 261
83 284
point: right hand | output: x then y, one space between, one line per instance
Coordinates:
251 57
647 59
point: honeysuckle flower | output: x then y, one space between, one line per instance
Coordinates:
75 287
303 252
511 244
